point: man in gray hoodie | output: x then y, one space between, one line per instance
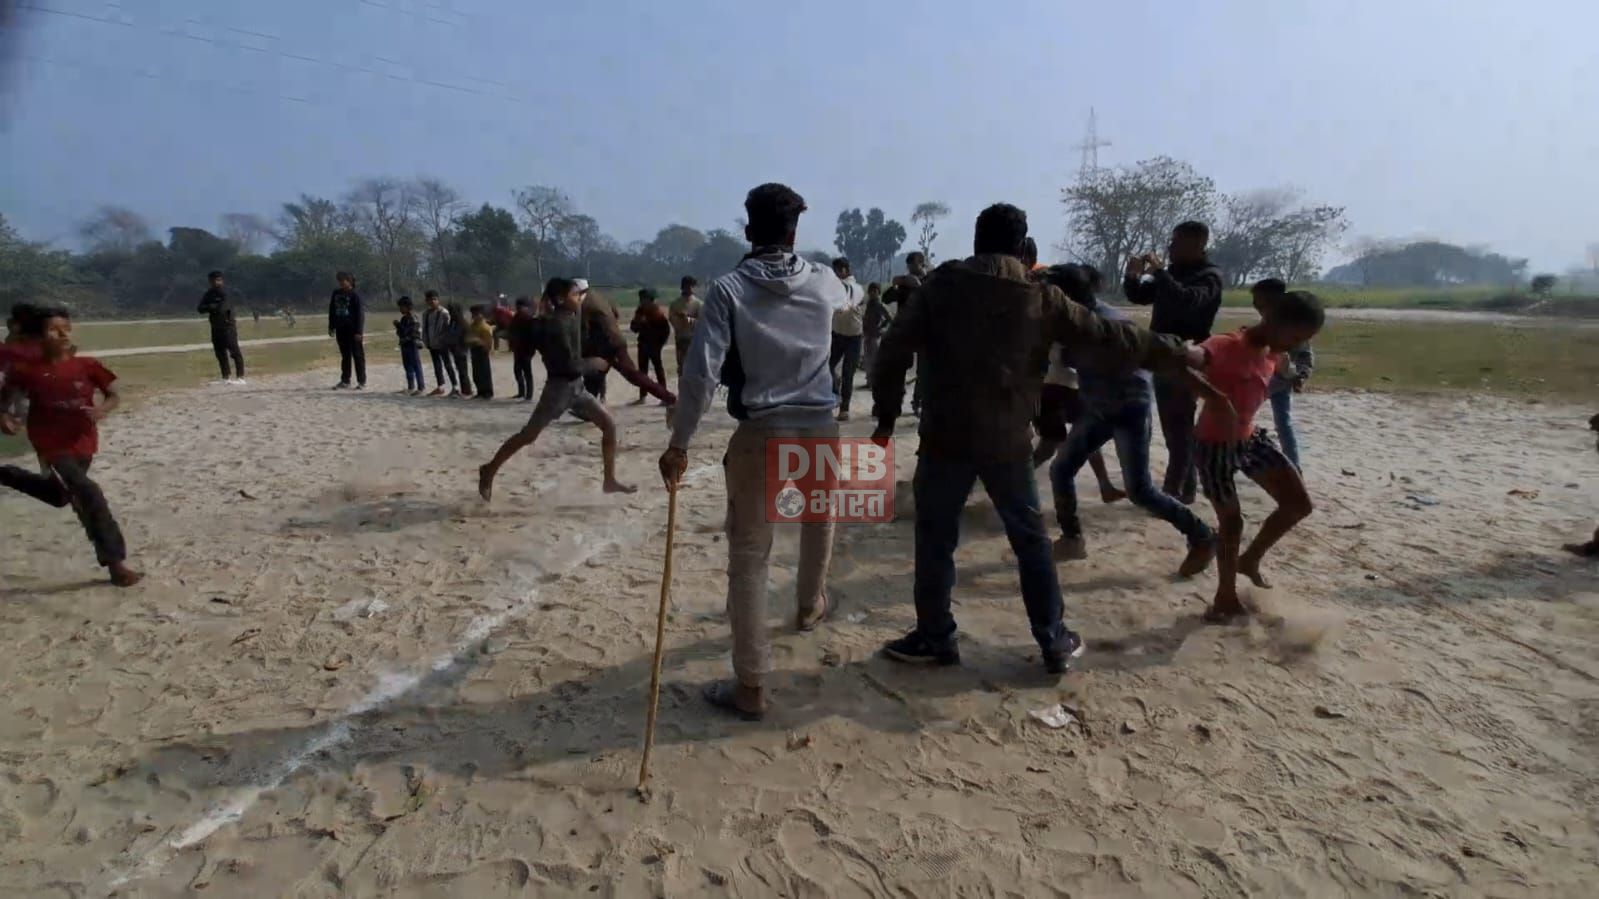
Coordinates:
765 331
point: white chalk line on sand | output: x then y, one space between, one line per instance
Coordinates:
192 347
390 686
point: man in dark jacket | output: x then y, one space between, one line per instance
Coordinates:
217 306
1185 297
983 329
347 325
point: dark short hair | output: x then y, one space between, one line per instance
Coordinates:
215 274
1299 309
1030 251
1001 228
1095 279
404 303
556 288
479 309
841 262
22 313
524 303
915 254
1272 287
344 276
688 282
874 286
34 327
1075 280
773 210
1197 230
431 295
648 293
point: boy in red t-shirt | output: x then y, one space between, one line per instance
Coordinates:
62 414
1240 365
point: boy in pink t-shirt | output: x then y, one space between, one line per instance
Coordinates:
1240 366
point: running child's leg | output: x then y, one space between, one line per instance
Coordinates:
1588 549
110 550
557 398
598 416
1264 464
1090 432
1214 466
45 488
1108 491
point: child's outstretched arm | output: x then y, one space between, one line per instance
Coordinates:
1210 394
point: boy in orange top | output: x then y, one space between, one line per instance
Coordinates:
1240 365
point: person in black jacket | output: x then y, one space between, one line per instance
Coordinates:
218 307
347 325
1185 297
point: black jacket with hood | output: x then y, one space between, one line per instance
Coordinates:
1185 297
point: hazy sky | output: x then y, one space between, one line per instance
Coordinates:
1468 120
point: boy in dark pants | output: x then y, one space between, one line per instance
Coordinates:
1185 296
218 307
1116 402
522 335
1240 365
654 329
480 341
347 325
61 426
561 343
436 337
409 329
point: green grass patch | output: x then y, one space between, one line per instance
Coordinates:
92 337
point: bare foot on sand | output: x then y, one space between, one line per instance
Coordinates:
485 483
1250 568
1112 495
1198 559
123 576
615 486
1225 610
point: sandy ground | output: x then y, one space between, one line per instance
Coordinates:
345 677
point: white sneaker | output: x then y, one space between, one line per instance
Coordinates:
238 382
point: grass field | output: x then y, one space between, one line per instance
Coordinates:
1535 361
94 337
1476 299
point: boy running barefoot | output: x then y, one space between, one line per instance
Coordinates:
1240 365
1590 549
560 342
60 387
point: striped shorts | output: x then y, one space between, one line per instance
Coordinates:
1218 462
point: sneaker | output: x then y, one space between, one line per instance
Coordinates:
1060 661
360 387
914 649
1070 549
342 385
437 391
238 382
843 415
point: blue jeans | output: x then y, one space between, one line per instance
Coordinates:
1282 412
941 488
411 359
1129 427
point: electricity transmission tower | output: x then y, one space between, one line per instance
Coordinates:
1090 145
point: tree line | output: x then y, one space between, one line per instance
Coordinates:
398 236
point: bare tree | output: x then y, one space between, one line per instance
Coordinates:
927 216
543 211
309 220
438 206
385 212
581 236
115 229
1112 214
249 232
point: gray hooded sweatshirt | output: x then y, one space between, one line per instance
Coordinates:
766 330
